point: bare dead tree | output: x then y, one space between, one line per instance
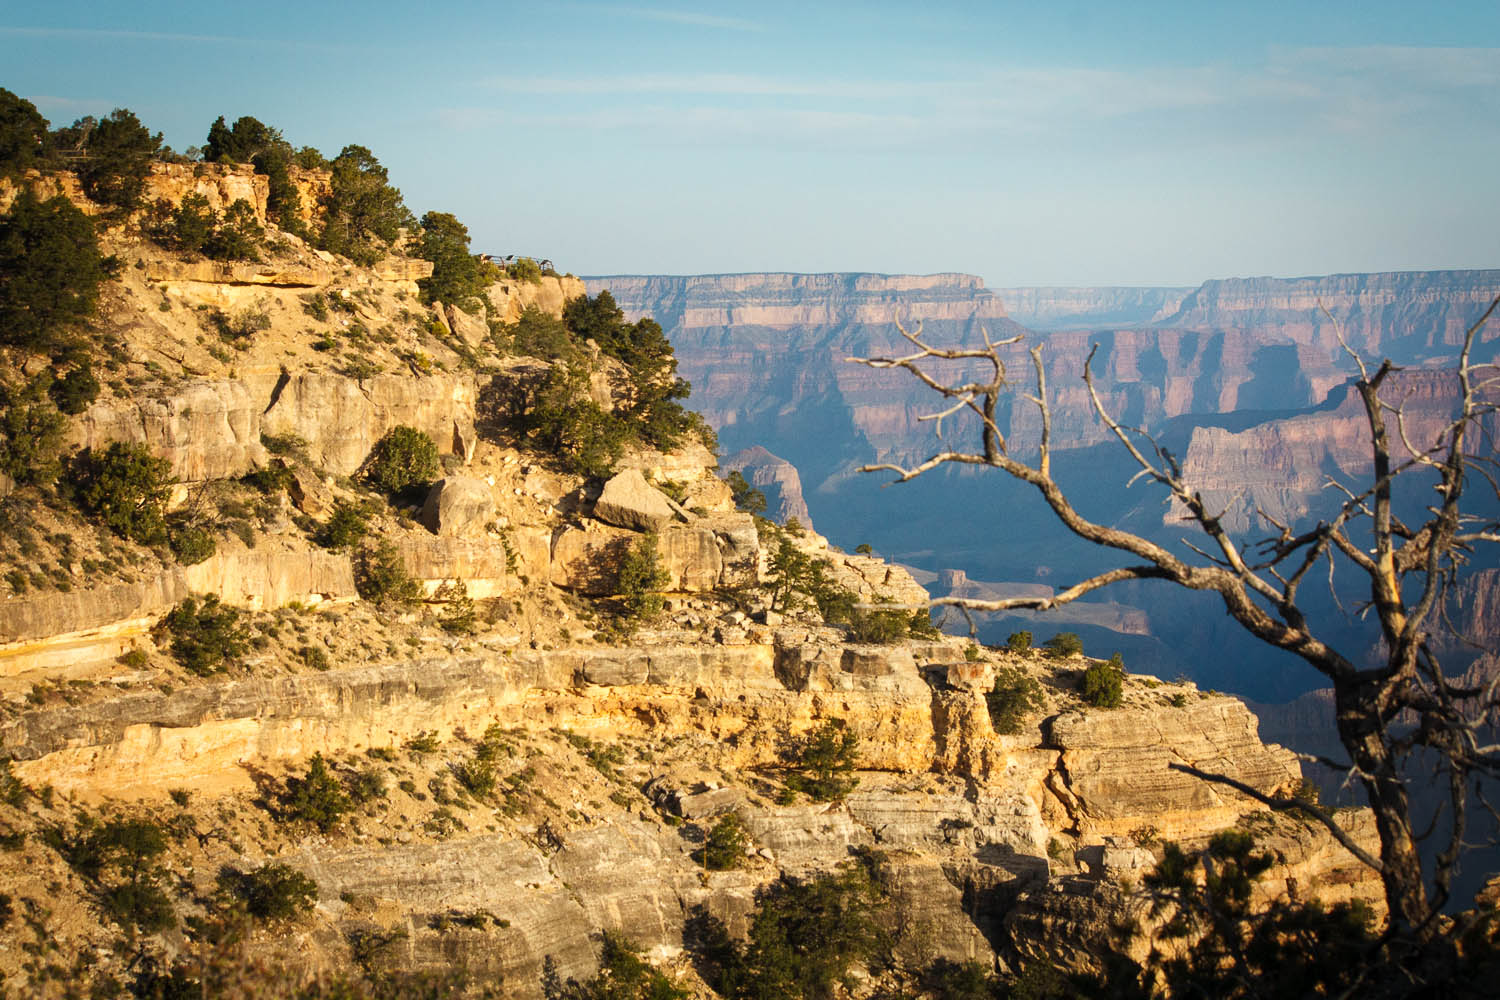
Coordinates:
1404 705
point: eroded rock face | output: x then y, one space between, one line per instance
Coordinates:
510 298
272 575
342 418
204 429
968 839
1115 765
1280 465
1085 308
209 272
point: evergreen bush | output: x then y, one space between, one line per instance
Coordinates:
126 488
404 457
207 637
31 431
380 575
1063 645
1102 683
271 892
317 797
1014 693
120 150
642 579
724 848
50 271
823 762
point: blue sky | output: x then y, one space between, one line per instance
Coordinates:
1143 143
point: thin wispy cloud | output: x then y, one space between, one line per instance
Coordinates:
665 15
122 35
1347 90
721 84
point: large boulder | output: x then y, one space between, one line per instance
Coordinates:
308 492
472 329
458 505
628 501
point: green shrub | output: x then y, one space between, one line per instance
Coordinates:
346 526
537 334
25 139
191 542
651 407
642 578
380 575
317 797
272 892
76 390
126 489
823 762
623 975
1013 695
1102 683
239 328
806 936
424 742
724 848
458 615
456 275
525 269
879 625
13 791
363 213
31 432
477 776
921 626
120 150
970 980
316 306
404 457
746 497
1019 642
237 236
790 571
187 228
1063 645
309 158
565 421
252 141
864 549
207 637
50 271
314 657
119 858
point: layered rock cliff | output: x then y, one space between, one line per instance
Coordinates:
523 762
1408 316
1090 308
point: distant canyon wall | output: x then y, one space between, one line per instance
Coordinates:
767 353
1081 308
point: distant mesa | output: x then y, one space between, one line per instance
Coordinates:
776 478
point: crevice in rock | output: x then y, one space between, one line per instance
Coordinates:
282 381
1058 784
